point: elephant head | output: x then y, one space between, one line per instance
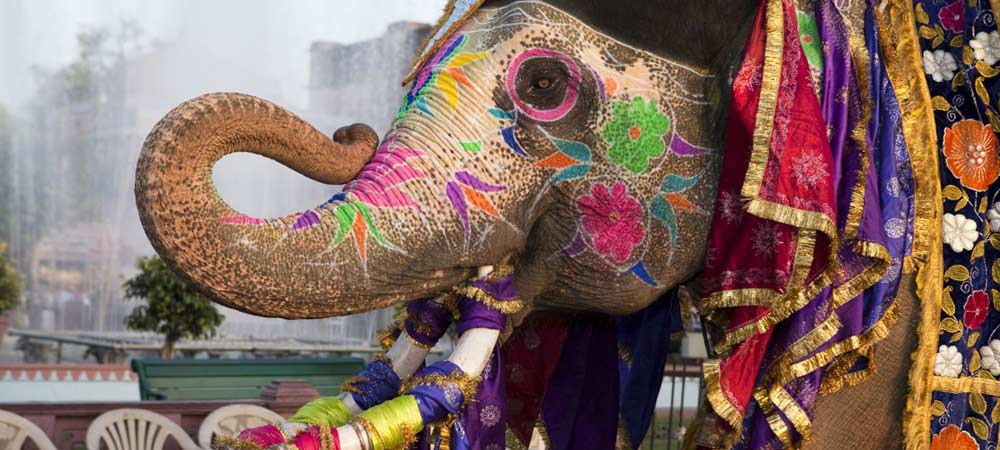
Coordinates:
528 133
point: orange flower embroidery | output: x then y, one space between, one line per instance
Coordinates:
970 149
953 438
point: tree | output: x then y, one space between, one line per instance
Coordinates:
173 308
10 282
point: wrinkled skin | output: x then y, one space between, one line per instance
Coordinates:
592 163
583 143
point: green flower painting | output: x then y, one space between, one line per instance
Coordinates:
635 133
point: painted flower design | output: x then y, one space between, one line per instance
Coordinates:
991 357
951 16
959 232
953 438
970 150
977 307
948 362
939 64
635 133
613 220
986 46
993 216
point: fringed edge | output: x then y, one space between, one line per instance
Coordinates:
717 398
464 382
220 442
903 63
507 307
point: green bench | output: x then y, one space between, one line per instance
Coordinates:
233 379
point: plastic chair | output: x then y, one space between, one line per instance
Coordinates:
135 429
232 419
15 430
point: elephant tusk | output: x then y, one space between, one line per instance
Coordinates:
470 354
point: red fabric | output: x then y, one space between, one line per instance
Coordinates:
750 252
530 357
264 436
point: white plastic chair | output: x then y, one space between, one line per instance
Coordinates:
14 430
232 419
135 429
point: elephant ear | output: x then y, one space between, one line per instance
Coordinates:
455 14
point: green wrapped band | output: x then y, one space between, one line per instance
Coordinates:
328 411
394 424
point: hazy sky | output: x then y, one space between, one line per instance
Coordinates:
266 39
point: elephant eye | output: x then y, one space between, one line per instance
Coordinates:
543 84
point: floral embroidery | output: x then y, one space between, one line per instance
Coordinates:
970 149
948 362
993 215
991 357
977 307
635 133
986 47
489 416
951 16
810 169
612 220
959 232
940 65
953 438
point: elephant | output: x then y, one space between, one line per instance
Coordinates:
578 140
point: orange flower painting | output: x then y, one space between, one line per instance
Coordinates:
970 150
953 438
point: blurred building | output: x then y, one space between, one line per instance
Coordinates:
360 82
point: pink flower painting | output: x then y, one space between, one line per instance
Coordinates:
612 220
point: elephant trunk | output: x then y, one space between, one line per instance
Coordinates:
285 267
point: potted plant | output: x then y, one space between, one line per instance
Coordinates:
10 290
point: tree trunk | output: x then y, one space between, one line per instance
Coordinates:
167 352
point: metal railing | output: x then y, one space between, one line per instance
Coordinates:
676 405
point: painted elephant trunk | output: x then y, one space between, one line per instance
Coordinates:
284 267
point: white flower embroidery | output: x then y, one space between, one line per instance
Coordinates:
489 416
991 357
986 46
959 232
765 239
993 215
809 169
948 362
939 64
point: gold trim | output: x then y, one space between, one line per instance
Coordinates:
507 307
465 383
788 406
220 442
967 385
771 80
717 398
902 57
416 342
774 420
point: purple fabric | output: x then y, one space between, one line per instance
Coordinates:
888 176
434 402
580 408
378 383
502 290
477 315
485 423
433 318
